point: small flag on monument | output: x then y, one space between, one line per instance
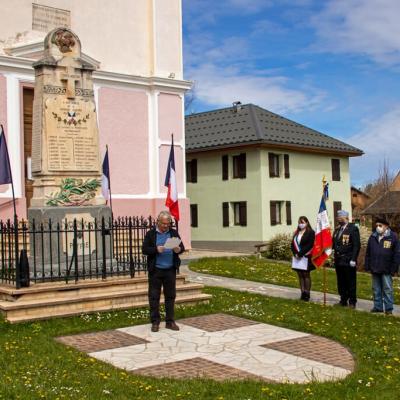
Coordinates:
5 170
170 182
105 179
323 239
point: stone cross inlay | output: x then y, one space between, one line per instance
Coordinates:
241 348
71 78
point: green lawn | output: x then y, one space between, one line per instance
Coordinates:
34 366
280 273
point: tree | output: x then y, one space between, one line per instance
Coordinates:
190 97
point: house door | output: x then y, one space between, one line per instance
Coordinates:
28 109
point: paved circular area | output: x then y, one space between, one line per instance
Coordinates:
220 347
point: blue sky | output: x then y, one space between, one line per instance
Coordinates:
332 65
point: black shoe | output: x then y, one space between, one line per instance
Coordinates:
303 296
389 312
155 327
375 310
172 325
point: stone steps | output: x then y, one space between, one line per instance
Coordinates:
45 301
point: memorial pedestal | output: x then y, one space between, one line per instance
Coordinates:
65 241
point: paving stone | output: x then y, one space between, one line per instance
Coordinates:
196 368
97 341
217 322
316 348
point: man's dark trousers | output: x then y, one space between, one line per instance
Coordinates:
165 278
347 284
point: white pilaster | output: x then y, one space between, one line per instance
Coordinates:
14 133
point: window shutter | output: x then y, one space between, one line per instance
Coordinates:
288 213
337 205
225 214
194 171
188 172
243 213
272 208
242 166
194 221
225 168
271 157
335 169
286 165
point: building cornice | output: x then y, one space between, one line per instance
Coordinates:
24 65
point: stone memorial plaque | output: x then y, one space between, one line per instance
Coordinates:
46 18
72 140
86 241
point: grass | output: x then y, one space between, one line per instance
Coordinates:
34 366
280 273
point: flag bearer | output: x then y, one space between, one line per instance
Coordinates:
346 246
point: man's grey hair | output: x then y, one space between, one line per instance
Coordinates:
164 214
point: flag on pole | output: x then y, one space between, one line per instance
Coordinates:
5 170
323 239
105 179
170 182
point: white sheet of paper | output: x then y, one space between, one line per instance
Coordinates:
300 263
172 243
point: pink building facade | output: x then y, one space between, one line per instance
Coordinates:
139 98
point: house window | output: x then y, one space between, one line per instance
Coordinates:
335 169
288 213
273 165
225 168
194 222
225 214
286 165
276 212
191 171
240 213
239 166
337 205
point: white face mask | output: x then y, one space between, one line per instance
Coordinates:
380 229
302 226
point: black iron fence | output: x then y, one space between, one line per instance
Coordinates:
71 250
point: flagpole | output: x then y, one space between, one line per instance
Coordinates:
109 183
176 221
324 266
17 271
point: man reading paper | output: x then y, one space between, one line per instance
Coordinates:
162 264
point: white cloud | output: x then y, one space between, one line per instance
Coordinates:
379 140
364 27
219 87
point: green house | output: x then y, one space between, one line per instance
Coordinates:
251 173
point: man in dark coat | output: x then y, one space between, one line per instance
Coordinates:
346 246
162 265
382 259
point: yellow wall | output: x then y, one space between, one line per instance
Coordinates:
303 189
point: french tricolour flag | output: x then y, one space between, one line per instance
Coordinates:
323 238
170 182
105 179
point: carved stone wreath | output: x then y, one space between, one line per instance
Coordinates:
71 118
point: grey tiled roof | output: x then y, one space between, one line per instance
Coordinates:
389 203
254 125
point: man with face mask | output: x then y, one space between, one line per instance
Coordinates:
382 259
346 246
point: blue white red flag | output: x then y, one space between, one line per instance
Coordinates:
322 248
170 182
105 179
5 170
